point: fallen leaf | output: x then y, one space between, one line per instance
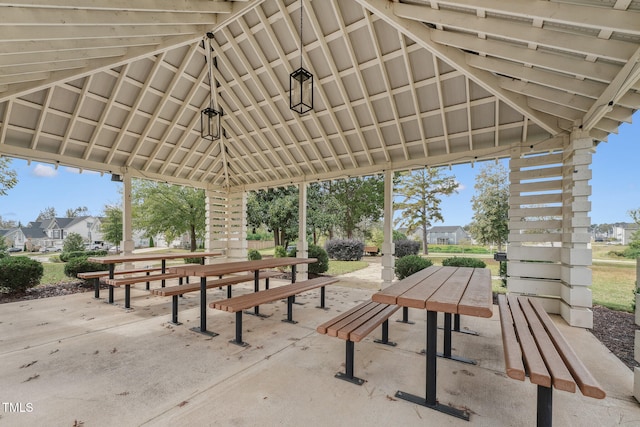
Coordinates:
28 364
181 404
31 378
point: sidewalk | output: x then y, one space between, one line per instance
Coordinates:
74 359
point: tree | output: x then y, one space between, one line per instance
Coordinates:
48 213
420 206
278 210
73 242
111 226
8 177
361 199
7 224
73 213
169 210
324 210
635 215
490 222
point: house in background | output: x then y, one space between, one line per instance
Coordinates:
50 233
623 232
447 235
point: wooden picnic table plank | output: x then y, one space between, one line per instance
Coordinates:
240 266
417 296
478 298
447 297
390 295
116 259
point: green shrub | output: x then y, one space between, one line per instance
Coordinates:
19 273
279 252
292 252
406 247
463 262
67 256
254 255
73 242
192 260
407 265
322 265
345 249
82 265
503 273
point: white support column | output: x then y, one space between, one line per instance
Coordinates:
388 247
575 273
302 247
128 245
226 227
636 347
549 250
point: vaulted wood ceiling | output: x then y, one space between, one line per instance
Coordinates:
118 86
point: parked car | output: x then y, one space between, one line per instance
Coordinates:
50 249
14 250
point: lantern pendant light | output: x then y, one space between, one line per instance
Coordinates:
211 116
301 83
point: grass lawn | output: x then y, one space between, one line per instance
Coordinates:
613 282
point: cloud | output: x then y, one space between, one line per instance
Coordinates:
44 171
461 186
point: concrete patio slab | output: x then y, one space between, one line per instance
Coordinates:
76 360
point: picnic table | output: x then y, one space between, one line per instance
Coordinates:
210 270
451 290
112 260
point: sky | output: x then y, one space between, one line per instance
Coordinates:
615 186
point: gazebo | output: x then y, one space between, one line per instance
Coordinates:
201 93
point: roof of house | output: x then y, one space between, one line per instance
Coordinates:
445 229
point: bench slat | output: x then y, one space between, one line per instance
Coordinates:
141 279
344 327
246 301
512 351
105 273
364 330
326 328
562 379
587 384
217 283
416 297
538 372
390 296
447 297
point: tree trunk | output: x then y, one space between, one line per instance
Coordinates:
192 233
425 245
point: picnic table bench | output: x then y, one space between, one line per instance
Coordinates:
175 291
354 325
529 335
371 250
97 275
239 303
128 281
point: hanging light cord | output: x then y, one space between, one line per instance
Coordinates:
211 83
301 7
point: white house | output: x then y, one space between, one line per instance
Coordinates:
624 231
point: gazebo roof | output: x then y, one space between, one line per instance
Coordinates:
118 86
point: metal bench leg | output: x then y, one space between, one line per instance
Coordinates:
96 288
174 310
456 326
348 366
385 335
322 294
238 340
229 291
148 282
545 406
289 318
203 310
446 354
127 296
405 316
266 283
110 294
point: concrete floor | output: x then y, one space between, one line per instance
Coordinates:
74 360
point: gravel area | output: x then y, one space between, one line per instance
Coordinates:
615 329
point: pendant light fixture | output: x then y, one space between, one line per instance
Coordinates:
301 83
211 116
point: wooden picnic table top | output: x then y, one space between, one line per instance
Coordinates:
457 290
154 256
240 266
